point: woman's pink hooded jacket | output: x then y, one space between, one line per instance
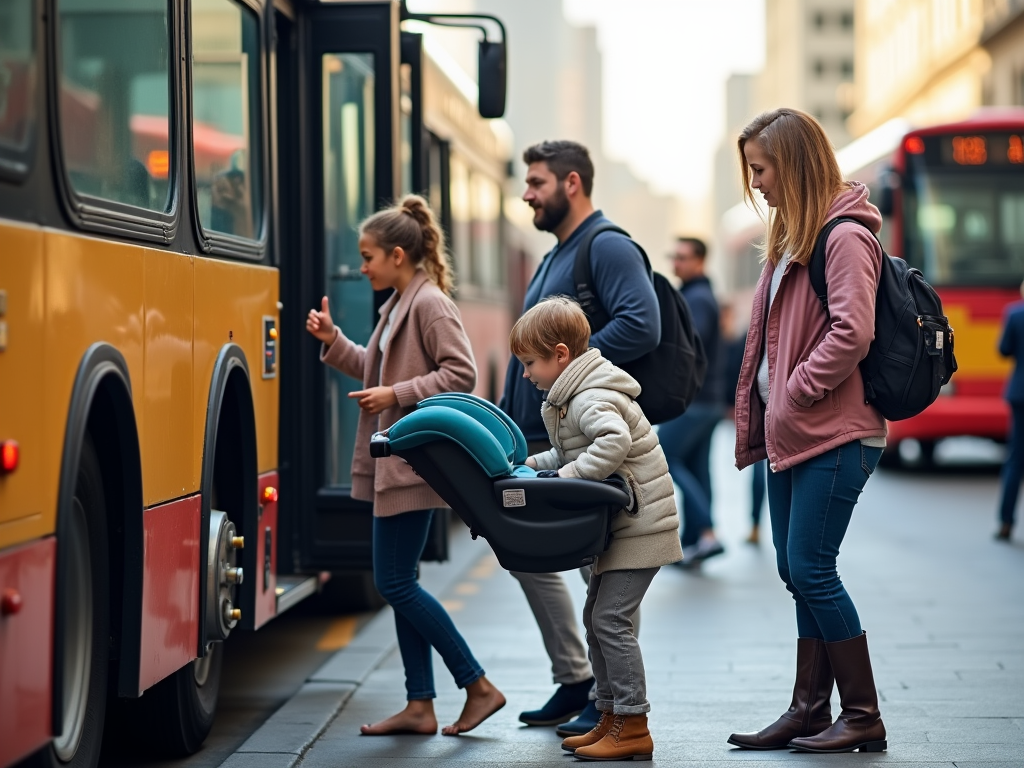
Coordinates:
816 394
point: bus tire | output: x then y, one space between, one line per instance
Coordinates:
83 562
185 703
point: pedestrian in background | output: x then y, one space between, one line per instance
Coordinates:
1011 344
418 349
732 352
800 403
686 439
559 182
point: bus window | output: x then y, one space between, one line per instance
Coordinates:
226 135
349 164
405 105
114 97
488 268
17 82
965 229
462 217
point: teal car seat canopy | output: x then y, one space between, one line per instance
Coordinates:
472 455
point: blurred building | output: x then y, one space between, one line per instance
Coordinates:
933 61
555 92
1002 35
740 107
809 61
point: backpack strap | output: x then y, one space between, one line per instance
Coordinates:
583 275
816 266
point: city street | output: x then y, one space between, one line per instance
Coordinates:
941 602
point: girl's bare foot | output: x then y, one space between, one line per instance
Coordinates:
417 717
482 701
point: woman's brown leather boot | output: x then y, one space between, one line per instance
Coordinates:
627 739
859 726
810 712
594 735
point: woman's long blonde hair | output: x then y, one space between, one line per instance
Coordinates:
807 180
411 226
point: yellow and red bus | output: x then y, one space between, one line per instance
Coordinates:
952 200
179 181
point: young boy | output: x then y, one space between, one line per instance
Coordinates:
597 429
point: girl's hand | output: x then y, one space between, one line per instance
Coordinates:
530 462
375 399
320 323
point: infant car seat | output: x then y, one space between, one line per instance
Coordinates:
471 453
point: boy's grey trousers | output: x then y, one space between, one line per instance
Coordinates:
612 599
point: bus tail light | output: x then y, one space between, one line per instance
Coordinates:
10 454
914 145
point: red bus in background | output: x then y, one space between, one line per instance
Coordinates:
952 200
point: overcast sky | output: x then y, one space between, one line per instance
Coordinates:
665 67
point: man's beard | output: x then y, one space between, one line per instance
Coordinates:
552 213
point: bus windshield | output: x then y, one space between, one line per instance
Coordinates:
965 225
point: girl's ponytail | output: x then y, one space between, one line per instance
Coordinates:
432 246
411 226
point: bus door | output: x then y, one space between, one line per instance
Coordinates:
347 145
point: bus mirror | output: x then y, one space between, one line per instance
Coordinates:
890 183
885 201
491 78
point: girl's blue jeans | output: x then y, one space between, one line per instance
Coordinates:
420 620
810 506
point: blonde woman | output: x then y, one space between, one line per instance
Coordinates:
800 403
418 349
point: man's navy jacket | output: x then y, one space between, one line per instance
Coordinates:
623 286
1011 344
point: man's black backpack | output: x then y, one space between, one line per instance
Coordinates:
911 357
671 374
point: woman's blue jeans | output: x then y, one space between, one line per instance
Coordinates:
420 620
810 506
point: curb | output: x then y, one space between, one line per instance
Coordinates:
286 736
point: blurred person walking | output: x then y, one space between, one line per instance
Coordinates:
686 439
559 182
800 404
1011 344
418 349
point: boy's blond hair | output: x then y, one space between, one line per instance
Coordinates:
553 321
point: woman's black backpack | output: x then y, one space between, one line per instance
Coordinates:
671 374
911 357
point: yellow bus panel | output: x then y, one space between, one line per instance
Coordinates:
168 438
21 377
231 300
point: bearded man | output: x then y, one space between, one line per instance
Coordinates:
559 182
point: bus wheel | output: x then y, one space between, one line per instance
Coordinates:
186 702
83 565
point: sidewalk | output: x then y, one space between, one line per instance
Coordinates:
942 604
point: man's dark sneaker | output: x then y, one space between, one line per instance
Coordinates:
585 722
567 702
695 554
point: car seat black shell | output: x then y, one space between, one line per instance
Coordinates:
471 454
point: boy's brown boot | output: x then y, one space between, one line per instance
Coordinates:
627 739
594 735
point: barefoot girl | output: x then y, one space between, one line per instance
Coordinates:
418 349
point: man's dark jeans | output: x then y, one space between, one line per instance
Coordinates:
810 506
686 441
1013 469
420 620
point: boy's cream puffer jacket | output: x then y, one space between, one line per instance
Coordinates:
597 429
